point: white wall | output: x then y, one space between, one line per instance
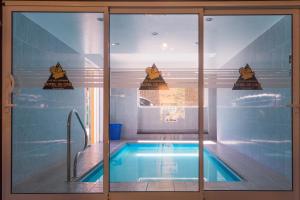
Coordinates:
39 119
258 123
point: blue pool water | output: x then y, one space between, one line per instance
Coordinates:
136 162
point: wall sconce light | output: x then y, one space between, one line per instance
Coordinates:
247 80
153 80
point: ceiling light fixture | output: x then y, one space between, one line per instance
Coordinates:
155 33
209 19
100 19
115 44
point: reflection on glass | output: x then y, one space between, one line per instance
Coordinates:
249 130
39 119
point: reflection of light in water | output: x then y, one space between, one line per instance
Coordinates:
166 154
165 178
167 165
176 141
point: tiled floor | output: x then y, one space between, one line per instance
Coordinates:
155 186
256 176
54 180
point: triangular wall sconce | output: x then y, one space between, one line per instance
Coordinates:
247 80
153 80
58 79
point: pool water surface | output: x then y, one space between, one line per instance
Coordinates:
135 162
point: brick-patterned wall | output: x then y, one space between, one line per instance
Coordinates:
190 96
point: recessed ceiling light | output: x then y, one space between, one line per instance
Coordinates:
115 44
196 43
209 19
155 33
164 45
100 19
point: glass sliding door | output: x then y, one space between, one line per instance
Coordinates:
57 118
154 102
248 76
147 102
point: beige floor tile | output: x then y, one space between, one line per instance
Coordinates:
139 186
161 186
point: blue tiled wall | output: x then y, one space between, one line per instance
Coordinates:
258 123
39 120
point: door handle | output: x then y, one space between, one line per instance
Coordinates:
12 81
11 89
9 105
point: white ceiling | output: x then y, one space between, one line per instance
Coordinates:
225 36
173 47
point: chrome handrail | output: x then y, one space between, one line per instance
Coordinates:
69 122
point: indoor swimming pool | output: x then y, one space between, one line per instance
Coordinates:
135 162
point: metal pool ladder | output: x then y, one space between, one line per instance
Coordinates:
69 123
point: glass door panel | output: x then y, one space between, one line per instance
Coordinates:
58 74
248 76
154 102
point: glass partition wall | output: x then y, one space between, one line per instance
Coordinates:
156 77
57 129
248 75
154 102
